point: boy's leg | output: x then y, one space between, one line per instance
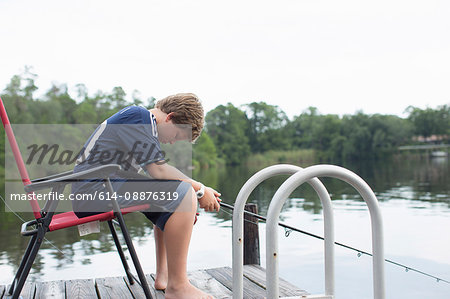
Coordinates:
161 260
177 235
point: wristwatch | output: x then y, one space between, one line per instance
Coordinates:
200 192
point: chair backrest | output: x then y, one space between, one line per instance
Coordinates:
18 157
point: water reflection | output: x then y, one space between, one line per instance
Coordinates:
417 179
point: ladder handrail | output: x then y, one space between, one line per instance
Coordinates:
280 198
238 224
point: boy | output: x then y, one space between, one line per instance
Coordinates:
131 138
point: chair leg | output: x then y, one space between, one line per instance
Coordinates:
120 250
27 262
22 264
133 254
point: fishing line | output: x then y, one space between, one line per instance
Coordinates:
289 228
45 239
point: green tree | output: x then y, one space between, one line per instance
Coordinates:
266 127
371 136
102 106
325 131
18 96
85 113
301 128
430 121
82 92
151 102
227 127
388 132
204 151
136 97
356 129
63 105
117 98
444 120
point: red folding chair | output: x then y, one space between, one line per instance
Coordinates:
46 220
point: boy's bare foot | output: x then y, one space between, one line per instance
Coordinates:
186 291
161 281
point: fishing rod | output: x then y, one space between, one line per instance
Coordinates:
360 252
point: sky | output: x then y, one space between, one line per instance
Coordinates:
339 56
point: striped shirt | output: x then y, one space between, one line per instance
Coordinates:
129 138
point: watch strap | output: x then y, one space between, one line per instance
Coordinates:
200 192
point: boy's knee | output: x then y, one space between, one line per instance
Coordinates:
192 195
189 201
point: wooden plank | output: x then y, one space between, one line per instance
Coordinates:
257 274
112 287
224 276
205 282
81 289
217 282
138 291
28 290
50 289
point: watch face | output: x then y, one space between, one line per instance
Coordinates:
200 194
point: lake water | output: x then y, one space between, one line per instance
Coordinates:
414 197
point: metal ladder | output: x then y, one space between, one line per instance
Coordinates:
297 178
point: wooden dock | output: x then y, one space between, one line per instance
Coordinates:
217 282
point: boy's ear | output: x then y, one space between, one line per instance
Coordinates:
170 116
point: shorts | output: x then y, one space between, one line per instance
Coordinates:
163 197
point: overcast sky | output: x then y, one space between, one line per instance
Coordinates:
339 56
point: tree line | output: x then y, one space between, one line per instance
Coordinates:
232 134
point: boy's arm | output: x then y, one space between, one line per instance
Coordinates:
209 202
164 171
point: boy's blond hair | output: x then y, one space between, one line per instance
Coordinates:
187 109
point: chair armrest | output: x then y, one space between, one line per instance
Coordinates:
100 172
51 177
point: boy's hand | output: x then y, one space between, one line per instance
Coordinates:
210 201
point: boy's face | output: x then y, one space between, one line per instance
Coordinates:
168 132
